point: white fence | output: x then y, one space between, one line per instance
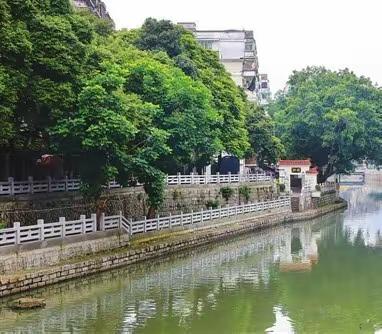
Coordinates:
11 187
23 234
218 178
328 187
188 219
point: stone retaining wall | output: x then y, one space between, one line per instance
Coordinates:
46 253
13 284
131 201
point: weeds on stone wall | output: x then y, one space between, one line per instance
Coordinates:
245 193
226 193
212 204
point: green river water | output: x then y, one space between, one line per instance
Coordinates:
245 285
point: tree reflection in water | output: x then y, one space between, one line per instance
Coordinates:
235 286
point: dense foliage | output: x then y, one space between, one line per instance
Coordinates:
204 66
264 144
334 118
132 105
43 52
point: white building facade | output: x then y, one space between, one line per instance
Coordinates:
97 7
238 53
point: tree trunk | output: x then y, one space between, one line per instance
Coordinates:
328 171
151 213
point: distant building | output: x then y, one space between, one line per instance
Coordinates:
95 6
297 175
238 53
264 89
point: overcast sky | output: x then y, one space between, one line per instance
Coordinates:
290 34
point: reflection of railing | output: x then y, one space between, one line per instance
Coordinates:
31 186
24 234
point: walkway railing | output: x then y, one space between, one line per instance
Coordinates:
11 187
328 187
218 178
18 235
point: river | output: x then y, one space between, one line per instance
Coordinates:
249 284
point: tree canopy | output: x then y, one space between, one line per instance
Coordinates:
43 54
203 65
264 144
334 118
133 104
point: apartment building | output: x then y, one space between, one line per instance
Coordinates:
238 53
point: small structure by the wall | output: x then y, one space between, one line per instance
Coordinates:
297 175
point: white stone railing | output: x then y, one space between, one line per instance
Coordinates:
11 187
217 178
18 235
328 187
188 219
31 186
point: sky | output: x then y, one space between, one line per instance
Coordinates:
290 34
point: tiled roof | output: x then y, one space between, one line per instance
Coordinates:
294 163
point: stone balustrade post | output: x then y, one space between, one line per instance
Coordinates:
102 222
30 184
83 224
66 181
131 227
11 182
120 219
49 179
63 229
40 223
94 220
16 226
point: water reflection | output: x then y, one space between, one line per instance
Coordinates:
317 276
362 223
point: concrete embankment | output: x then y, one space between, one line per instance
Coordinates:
74 264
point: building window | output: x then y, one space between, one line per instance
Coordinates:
206 44
248 46
264 85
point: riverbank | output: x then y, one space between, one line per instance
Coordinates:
149 247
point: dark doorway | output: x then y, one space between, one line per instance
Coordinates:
295 183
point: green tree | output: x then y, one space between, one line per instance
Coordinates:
203 66
264 144
332 117
186 107
114 134
44 49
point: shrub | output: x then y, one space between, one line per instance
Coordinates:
177 194
245 192
212 204
318 187
226 193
